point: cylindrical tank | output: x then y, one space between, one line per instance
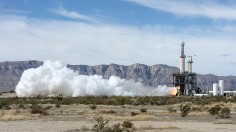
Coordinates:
182 65
221 87
190 67
215 89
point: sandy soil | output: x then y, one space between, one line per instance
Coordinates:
63 126
72 118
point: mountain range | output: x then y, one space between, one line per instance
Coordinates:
10 73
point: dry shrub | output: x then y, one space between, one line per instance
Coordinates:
224 113
134 113
143 110
21 106
185 109
127 124
214 110
93 107
103 126
57 105
4 103
108 112
38 109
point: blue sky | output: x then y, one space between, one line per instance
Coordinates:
121 31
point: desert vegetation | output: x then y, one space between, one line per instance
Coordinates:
102 126
185 109
117 113
116 100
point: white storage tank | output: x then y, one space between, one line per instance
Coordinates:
221 87
215 89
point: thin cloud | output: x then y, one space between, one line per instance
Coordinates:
225 55
228 28
74 15
13 11
77 42
210 9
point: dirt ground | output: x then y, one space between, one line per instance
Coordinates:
70 126
78 117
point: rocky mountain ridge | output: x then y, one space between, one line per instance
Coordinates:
10 73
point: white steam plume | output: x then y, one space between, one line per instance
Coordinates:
56 78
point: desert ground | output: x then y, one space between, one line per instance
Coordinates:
81 117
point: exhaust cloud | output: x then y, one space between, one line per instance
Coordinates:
56 78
